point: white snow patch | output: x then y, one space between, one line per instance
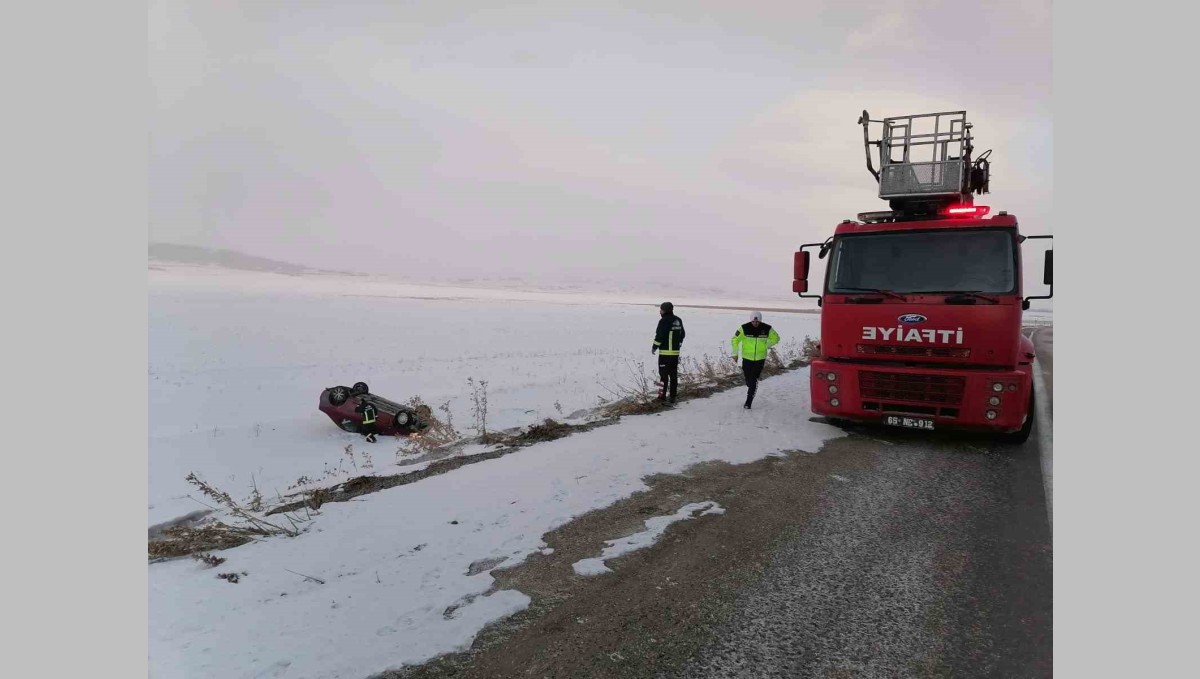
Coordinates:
840 478
234 376
655 526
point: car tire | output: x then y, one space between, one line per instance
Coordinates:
360 388
403 419
338 396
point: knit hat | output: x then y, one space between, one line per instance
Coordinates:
756 316
667 306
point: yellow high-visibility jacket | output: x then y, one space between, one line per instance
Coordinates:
754 342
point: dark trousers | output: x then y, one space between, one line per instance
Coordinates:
752 370
368 430
668 373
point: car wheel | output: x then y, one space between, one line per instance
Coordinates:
403 419
360 388
339 395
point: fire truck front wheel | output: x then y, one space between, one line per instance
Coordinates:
1022 435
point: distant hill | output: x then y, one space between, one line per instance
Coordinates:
229 259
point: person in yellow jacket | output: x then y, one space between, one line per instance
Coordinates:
755 339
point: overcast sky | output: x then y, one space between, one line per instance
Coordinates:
692 143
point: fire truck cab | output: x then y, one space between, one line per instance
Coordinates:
921 306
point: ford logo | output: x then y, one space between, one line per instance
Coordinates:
912 318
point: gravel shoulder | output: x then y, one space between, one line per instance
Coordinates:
883 554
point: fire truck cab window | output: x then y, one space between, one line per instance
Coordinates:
968 261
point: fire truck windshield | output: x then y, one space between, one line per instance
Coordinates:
924 261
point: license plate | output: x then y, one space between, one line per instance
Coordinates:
910 422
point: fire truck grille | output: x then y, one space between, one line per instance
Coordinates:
898 350
935 389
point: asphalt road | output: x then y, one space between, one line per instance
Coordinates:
1043 343
935 561
885 554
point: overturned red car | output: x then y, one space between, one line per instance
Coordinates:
339 403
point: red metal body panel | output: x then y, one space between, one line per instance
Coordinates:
967 334
952 398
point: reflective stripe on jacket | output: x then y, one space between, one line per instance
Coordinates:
668 337
754 342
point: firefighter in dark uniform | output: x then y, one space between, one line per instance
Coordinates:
367 410
667 340
755 339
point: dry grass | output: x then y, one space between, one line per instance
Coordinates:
548 430
256 500
636 393
437 434
250 521
479 399
185 539
180 541
699 377
208 559
812 348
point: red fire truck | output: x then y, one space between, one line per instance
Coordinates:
922 304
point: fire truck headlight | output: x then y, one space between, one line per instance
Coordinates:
991 414
833 389
834 402
831 377
995 400
1012 387
996 386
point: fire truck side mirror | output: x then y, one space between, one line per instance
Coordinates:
1047 273
800 266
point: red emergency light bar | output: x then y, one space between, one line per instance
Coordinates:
967 211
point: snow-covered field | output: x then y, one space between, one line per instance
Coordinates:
237 362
